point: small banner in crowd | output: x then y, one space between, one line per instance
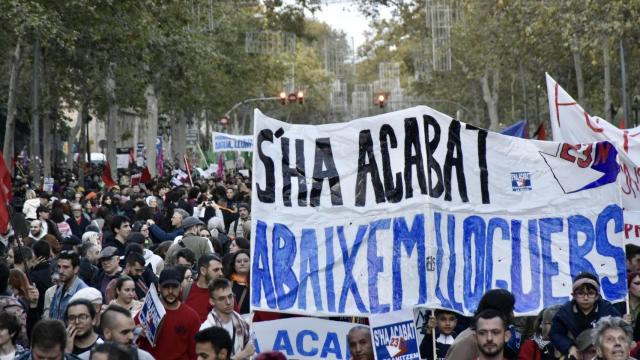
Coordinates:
228 142
571 123
394 335
151 315
304 338
413 207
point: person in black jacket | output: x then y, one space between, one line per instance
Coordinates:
579 314
40 273
78 222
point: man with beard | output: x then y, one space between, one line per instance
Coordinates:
175 339
491 333
117 326
196 295
69 284
80 319
359 338
134 268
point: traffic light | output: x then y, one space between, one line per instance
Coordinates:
300 97
380 99
283 98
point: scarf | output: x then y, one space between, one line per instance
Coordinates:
240 279
539 341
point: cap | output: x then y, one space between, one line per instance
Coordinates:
190 221
587 279
89 293
107 252
170 276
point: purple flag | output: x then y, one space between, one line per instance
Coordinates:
159 156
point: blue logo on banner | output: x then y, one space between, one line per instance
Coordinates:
520 181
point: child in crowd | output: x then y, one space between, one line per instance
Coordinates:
579 314
444 322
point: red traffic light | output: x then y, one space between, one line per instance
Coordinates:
380 99
224 120
292 97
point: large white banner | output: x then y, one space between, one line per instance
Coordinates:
304 338
228 142
412 207
571 123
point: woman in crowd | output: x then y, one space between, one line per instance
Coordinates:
633 284
125 295
19 284
539 346
238 273
187 277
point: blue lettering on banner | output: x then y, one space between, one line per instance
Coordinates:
284 272
309 343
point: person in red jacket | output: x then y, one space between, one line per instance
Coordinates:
176 339
539 347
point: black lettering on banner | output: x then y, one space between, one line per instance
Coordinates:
451 161
411 144
392 192
268 194
324 158
297 171
367 165
482 162
435 191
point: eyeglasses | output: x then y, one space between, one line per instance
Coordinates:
590 293
81 317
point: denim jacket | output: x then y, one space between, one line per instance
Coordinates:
60 301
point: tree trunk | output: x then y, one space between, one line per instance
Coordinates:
112 120
606 59
490 96
178 139
36 153
151 128
48 121
10 125
577 65
73 132
82 143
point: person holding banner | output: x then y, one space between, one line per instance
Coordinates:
443 323
175 339
579 314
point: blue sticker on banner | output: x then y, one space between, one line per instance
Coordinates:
396 341
520 181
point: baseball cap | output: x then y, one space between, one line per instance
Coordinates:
170 276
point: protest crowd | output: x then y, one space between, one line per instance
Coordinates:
161 269
79 263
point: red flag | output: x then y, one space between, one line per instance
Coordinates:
621 123
146 175
541 132
4 214
106 175
5 179
188 166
